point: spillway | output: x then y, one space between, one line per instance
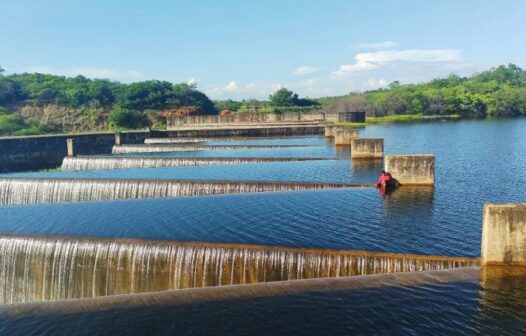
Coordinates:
173 140
36 268
44 190
160 148
116 162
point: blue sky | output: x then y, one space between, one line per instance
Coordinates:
248 49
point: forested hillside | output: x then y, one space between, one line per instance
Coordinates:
41 103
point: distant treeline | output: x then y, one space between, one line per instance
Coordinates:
81 104
499 91
80 91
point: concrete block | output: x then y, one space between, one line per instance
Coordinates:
504 235
343 135
411 169
71 147
118 138
329 131
367 148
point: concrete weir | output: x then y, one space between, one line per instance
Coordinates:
344 135
329 131
43 190
367 148
160 148
504 235
119 162
37 268
411 169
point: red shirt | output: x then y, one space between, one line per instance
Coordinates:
384 178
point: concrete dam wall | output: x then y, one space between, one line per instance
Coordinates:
116 162
35 268
44 152
36 191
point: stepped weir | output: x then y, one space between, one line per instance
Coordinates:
117 162
43 190
160 148
36 268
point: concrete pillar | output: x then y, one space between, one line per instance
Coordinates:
504 235
362 148
71 147
343 135
118 138
411 169
329 131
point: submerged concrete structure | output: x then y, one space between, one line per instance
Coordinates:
416 169
504 235
344 135
367 148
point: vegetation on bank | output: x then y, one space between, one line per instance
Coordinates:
497 92
398 118
41 103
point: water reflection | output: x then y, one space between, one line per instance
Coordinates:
502 299
366 170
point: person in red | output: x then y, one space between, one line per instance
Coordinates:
384 180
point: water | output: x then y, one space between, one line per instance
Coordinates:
432 307
159 148
115 162
35 191
476 162
41 269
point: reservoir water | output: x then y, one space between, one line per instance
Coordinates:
477 162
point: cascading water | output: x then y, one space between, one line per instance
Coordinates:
34 191
160 148
115 162
173 140
55 268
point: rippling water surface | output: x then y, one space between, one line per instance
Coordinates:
476 162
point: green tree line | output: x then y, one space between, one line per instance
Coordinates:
499 91
127 104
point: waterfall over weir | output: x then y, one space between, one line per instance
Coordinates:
173 140
54 268
116 162
160 148
41 190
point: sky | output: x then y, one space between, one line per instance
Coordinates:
243 49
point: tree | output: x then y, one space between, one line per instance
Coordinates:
283 97
121 117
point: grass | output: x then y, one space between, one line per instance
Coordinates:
398 118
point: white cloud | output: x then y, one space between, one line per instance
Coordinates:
376 46
87 72
374 60
305 70
231 87
192 81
